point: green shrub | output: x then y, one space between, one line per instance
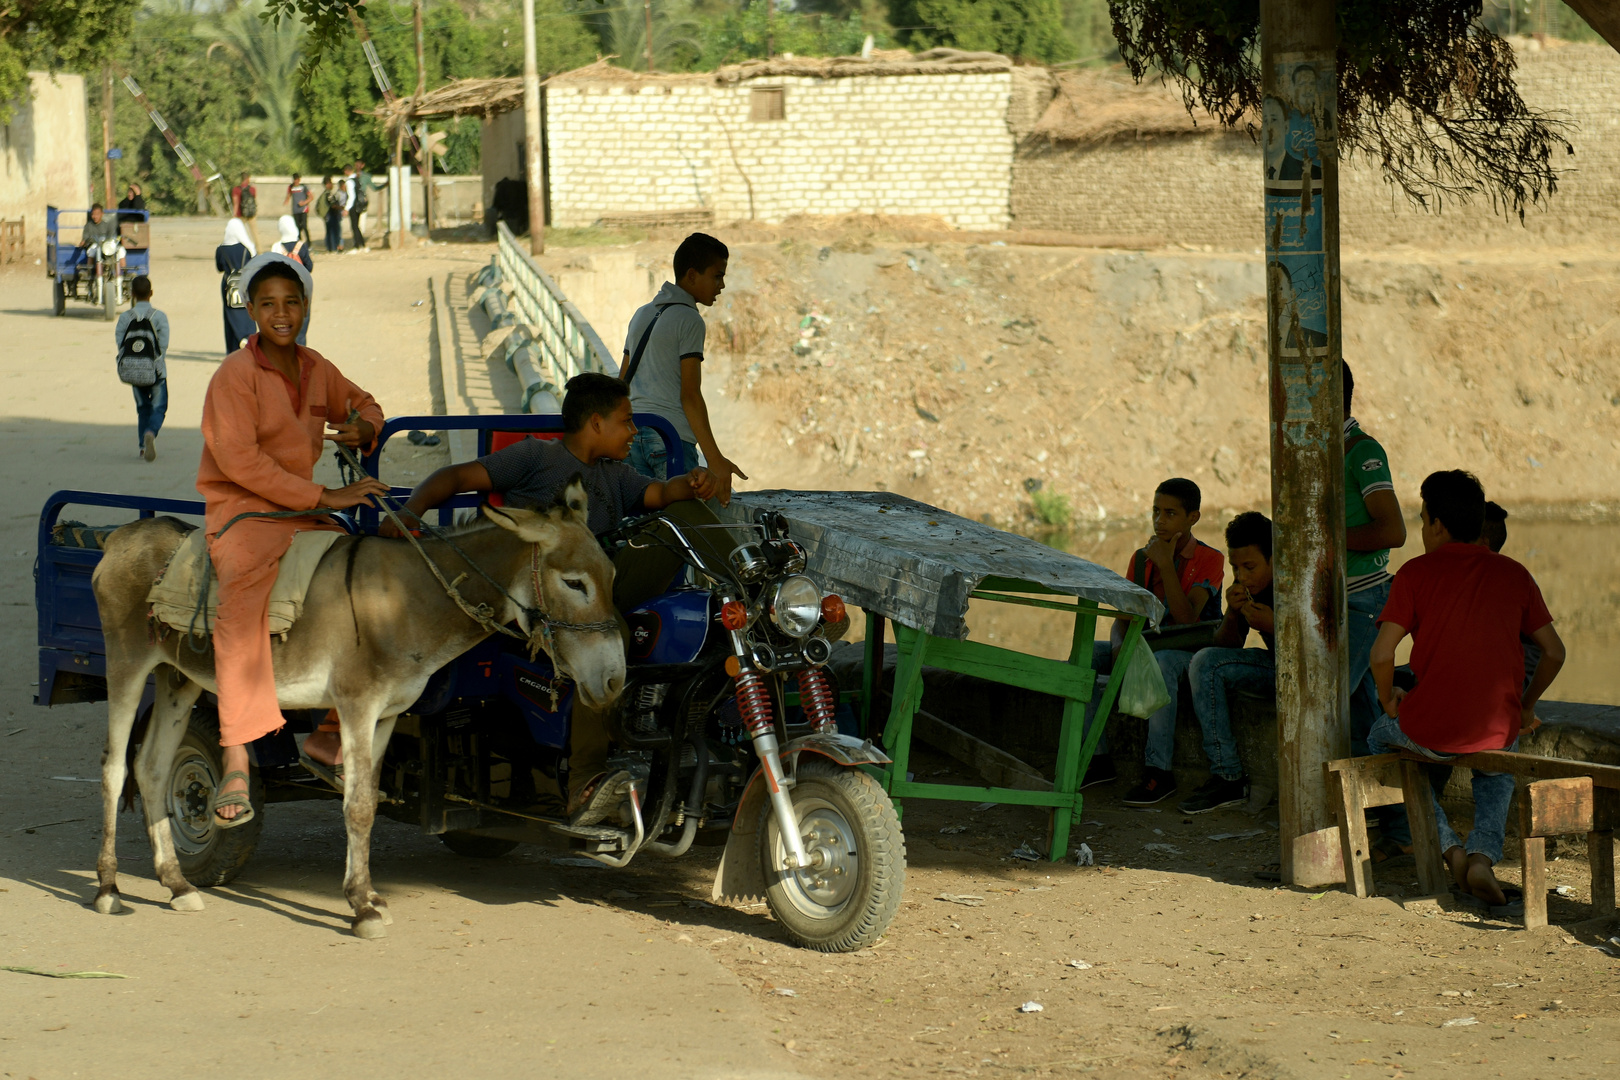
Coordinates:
1051 508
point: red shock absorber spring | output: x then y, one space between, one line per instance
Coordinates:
818 701
754 702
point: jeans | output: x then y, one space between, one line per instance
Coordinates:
334 232
1215 673
354 223
1161 740
151 405
1492 792
1365 607
302 221
648 454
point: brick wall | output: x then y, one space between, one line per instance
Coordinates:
1205 189
909 144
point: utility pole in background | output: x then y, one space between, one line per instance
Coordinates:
535 171
426 154
1299 139
646 7
107 199
770 28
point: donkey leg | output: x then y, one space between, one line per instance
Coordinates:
124 690
171 712
360 773
379 747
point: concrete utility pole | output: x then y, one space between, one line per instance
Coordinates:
1299 135
646 7
106 136
535 172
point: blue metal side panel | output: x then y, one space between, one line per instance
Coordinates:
525 684
670 629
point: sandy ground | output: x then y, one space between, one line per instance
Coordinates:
1165 960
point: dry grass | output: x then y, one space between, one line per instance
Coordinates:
1095 107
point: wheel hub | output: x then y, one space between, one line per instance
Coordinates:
829 881
191 792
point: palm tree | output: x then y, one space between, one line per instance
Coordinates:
676 35
269 54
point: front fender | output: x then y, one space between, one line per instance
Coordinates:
740 876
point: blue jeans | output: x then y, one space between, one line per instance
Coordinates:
151 405
1492 792
1214 673
648 454
334 231
1365 607
1161 740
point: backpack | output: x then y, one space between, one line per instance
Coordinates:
250 203
362 194
138 354
234 297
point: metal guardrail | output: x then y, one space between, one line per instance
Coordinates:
568 344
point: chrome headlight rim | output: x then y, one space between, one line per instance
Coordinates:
109 248
795 606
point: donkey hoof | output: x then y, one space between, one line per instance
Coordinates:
381 907
108 903
369 925
187 901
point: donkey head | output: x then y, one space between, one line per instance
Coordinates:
575 583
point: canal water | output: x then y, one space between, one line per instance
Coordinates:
1577 565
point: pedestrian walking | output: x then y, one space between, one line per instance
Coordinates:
230 257
142 337
329 206
245 205
298 200
355 183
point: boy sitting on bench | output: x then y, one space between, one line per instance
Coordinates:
1465 607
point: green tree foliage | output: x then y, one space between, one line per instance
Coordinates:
741 34
1027 29
56 35
1424 88
268 54
621 26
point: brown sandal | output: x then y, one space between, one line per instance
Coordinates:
242 799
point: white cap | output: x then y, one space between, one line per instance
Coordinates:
259 262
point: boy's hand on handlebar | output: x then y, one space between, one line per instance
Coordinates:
355 435
355 494
703 483
386 526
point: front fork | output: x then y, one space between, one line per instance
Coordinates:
754 703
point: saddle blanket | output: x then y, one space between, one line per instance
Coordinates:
174 595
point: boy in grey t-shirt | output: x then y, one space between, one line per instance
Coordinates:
663 363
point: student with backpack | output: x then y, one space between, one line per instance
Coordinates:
245 205
142 337
356 181
329 206
230 257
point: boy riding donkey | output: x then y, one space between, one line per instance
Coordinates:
263 424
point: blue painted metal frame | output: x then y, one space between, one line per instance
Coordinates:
66 261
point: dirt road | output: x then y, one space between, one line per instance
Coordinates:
1169 959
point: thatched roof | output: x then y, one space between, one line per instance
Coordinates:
1094 107
487 97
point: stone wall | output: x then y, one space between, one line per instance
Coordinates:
909 144
42 158
1205 188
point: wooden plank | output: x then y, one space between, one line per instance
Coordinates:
1534 861
1600 849
1376 776
1011 668
913 789
1559 807
1536 768
994 765
1355 850
1433 876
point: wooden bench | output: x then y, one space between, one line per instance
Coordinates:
1559 797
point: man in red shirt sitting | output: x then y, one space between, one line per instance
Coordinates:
1465 607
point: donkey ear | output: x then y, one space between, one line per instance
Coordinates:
574 501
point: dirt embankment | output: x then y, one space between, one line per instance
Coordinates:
968 375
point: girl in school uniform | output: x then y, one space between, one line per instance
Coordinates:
264 424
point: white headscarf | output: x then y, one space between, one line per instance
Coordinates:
237 233
289 230
259 262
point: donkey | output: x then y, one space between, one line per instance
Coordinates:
376 625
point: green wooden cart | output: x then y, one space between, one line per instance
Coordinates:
916 566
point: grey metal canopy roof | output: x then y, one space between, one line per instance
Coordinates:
917 564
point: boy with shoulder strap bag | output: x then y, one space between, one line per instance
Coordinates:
142 336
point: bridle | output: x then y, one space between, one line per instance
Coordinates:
544 627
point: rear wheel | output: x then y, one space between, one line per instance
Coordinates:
472 846
850 894
208 855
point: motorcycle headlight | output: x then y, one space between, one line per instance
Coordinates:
796 606
109 248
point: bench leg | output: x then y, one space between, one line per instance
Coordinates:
1353 844
1600 848
1433 877
1535 882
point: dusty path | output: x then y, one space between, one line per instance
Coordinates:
490 970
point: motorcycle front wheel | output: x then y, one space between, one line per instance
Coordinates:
850 894
109 298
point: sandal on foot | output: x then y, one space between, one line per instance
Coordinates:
239 799
599 798
332 775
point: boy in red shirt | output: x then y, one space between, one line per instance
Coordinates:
1186 574
1465 607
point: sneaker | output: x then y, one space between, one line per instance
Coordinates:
1216 793
1100 771
149 447
1158 785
